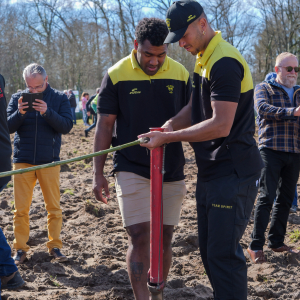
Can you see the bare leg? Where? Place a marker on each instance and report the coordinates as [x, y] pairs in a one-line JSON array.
[[138, 258], [168, 234]]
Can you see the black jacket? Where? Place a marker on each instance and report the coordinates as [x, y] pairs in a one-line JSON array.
[[5, 145], [72, 100], [38, 138]]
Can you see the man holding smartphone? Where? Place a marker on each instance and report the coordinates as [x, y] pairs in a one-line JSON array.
[[37, 141]]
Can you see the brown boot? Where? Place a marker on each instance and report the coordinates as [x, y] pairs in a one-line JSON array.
[[285, 248], [257, 256], [20, 257], [58, 255]]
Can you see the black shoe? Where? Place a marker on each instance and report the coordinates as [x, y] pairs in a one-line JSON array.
[[12, 282], [58, 255], [86, 133]]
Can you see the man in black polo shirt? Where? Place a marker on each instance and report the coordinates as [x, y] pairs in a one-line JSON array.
[[142, 90], [219, 121]]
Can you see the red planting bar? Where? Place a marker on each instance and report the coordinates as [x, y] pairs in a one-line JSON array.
[[155, 283]]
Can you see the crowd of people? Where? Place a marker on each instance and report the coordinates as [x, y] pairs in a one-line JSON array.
[[214, 112]]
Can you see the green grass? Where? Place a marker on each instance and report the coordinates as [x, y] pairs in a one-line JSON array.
[[53, 281], [69, 191], [92, 208], [79, 122], [295, 235], [10, 184]]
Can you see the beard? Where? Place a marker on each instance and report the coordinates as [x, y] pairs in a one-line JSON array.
[[289, 82]]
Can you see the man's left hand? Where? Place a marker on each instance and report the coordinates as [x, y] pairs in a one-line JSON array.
[[40, 105], [157, 139], [168, 126]]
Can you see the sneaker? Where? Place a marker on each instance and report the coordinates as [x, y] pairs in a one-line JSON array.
[[12, 282], [86, 133], [20, 257], [293, 209], [58, 255]]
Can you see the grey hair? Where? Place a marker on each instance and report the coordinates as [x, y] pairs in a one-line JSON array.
[[98, 90], [32, 70], [70, 91]]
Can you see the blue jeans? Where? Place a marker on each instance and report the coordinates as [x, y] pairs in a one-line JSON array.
[[93, 125], [295, 202], [84, 116], [7, 264], [73, 114]]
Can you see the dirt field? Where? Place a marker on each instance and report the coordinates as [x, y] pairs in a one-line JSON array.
[[95, 243]]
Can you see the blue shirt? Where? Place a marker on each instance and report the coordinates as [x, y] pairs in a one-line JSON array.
[[290, 91]]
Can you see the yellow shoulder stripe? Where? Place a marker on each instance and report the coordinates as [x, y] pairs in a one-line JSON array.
[[124, 71], [224, 49]]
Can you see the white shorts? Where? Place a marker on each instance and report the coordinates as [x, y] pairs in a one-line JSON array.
[[133, 192]]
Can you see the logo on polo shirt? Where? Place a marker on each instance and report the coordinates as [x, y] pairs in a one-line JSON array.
[[170, 88], [1, 93], [135, 91], [191, 17], [168, 21]]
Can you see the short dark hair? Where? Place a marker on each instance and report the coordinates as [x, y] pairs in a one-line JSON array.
[[152, 29]]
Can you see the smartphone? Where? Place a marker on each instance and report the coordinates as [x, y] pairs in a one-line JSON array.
[[30, 98]]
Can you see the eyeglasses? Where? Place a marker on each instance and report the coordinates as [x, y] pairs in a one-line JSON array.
[[290, 69], [37, 87]]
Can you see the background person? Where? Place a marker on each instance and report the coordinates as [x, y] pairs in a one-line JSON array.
[[73, 104], [219, 121], [9, 274], [140, 91], [277, 104], [84, 99], [37, 141], [294, 206], [92, 112]]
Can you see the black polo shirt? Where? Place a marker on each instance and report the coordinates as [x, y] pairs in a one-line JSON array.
[[141, 101], [222, 74]]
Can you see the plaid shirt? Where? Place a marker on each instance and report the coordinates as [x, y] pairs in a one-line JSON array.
[[278, 127]]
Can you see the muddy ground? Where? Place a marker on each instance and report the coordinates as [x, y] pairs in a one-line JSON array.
[[95, 243]]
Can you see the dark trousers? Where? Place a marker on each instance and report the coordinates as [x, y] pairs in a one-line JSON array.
[[7, 264], [224, 206], [73, 114], [277, 164], [93, 125]]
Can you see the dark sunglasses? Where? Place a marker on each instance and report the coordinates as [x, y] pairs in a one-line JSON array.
[[289, 68]]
